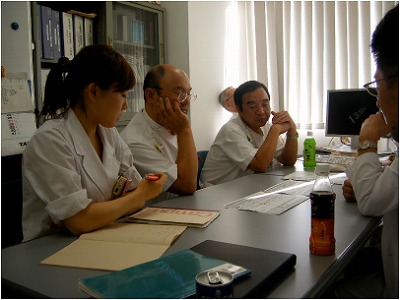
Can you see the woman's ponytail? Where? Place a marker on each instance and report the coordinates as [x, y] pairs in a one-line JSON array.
[[55, 100]]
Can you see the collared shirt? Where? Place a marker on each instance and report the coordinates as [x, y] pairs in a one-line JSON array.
[[62, 173], [377, 192], [153, 147], [232, 151]]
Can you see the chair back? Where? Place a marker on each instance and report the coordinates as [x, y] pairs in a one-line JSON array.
[[11, 200], [201, 156]]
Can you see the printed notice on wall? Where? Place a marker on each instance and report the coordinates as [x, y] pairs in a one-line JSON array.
[[15, 94], [16, 132]]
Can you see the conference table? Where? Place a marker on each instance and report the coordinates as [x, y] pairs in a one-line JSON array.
[[288, 232]]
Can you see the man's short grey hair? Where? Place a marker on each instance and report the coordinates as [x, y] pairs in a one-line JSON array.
[[223, 96]]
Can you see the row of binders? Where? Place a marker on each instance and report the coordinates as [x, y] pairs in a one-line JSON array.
[[63, 33]]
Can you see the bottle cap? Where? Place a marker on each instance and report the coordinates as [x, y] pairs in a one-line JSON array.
[[309, 133], [322, 169]]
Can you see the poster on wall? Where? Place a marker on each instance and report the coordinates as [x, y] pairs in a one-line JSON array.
[[15, 93]]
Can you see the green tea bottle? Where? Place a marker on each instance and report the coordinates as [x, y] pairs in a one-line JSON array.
[[309, 151]]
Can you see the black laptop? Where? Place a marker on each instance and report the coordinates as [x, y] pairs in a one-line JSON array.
[[268, 268]]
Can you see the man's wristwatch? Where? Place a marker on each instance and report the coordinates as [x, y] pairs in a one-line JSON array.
[[367, 145], [294, 137]]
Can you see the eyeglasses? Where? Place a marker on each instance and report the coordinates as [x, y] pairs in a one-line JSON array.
[[185, 96], [227, 99], [372, 87], [182, 96]]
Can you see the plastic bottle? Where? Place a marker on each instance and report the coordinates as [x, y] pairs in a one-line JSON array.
[[309, 151], [322, 239]]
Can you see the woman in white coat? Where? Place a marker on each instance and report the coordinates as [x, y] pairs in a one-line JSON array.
[[72, 163]]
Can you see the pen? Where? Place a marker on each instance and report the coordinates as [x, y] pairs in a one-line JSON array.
[[151, 177]]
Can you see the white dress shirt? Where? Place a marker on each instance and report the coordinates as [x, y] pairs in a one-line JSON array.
[[62, 173]]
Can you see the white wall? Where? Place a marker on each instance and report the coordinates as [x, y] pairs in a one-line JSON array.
[[177, 32], [210, 59]]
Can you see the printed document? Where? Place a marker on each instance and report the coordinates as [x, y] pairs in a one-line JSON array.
[[275, 200], [178, 216], [282, 196]]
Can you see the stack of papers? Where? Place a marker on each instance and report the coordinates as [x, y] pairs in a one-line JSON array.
[[283, 196], [177, 216]]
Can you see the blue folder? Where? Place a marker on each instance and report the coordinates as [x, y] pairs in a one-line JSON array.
[[171, 276]]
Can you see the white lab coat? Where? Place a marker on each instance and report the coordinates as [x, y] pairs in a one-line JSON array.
[[154, 149], [62, 173], [377, 191]]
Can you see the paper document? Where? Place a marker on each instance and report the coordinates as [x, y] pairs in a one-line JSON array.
[[274, 203], [291, 187], [17, 126], [282, 196], [337, 178], [15, 94], [275, 200], [16, 131], [182, 216], [117, 247], [301, 175]]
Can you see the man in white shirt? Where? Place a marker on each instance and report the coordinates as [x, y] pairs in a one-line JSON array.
[[160, 136], [247, 143], [374, 187]]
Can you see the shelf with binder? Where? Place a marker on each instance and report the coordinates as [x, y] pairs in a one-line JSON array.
[[61, 30], [135, 29], [53, 25]]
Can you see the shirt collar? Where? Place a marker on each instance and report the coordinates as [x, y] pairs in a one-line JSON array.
[[153, 124]]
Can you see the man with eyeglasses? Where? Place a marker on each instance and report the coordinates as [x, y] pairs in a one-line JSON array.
[[160, 136], [248, 143], [373, 186], [226, 99]]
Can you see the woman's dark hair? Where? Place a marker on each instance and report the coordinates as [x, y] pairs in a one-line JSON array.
[[99, 64], [247, 87]]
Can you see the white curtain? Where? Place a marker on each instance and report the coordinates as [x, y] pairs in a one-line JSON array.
[[304, 48]]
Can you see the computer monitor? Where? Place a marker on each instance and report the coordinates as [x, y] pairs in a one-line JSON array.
[[346, 110]]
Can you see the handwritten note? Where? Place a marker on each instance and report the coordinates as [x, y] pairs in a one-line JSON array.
[[15, 94]]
